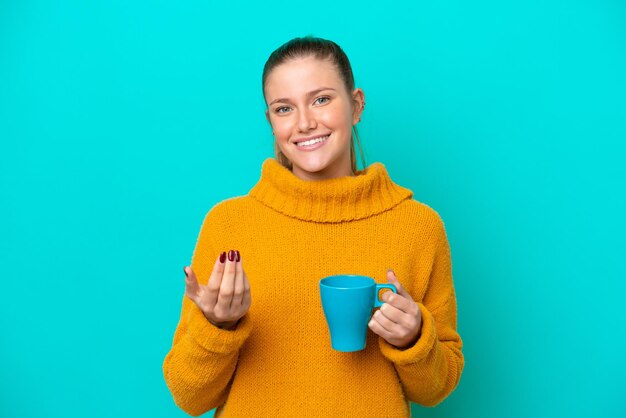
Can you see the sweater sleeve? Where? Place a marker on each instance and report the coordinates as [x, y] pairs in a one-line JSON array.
[[200, 364], [431, 369]]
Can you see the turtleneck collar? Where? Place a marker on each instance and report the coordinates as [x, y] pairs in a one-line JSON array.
[[369, 192]]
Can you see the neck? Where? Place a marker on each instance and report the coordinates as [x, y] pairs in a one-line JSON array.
[[338, 199], [319, 175]]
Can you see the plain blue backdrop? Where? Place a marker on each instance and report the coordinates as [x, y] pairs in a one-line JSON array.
[[122, 123]]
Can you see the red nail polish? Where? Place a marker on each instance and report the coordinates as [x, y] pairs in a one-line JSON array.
[[238, 255], [231, 255], [223, 257]]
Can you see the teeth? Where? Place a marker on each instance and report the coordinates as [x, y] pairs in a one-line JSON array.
[[312, 141]]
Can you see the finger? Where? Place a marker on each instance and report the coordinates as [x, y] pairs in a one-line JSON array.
[[391, 277], [227, 287], [395, 315], [239, 285], [247, 297], [378, 329], [192, 288], [385, 322], [399, 301], [215, 281]]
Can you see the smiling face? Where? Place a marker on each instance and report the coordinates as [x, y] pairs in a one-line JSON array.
[[306, 100]]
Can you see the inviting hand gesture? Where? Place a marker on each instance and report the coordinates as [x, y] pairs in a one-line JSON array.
[[226, 297], [399, 319]]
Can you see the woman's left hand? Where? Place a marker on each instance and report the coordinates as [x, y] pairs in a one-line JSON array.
[[399, 319]]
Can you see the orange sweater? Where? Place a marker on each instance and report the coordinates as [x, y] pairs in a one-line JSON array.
[[278, 360]]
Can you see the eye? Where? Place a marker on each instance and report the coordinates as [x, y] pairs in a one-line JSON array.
[[278, 109], [323, 97]]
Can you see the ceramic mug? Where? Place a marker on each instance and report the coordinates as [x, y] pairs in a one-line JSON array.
[[347, 301]]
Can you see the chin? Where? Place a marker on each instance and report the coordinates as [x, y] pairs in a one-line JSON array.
[[311, 167], [317, 165], [318, 161]]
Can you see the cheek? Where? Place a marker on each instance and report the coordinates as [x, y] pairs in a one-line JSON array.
[[282, 128], [282, 132], [337, 118]]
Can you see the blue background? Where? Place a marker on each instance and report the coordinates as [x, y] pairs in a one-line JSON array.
[[122, 123]]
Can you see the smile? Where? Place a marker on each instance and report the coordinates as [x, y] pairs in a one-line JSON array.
[[311, 143]]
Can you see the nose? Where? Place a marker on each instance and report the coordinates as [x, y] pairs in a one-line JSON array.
[[306, 120]]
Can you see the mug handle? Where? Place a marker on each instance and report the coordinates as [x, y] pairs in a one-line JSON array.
[[378, 302]]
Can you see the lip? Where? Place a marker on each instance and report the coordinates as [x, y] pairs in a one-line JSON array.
[[309, 138], [312, 147]]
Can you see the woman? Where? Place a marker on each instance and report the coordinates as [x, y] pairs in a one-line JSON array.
[[312, 214]]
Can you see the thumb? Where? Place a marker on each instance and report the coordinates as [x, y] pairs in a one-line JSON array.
[[192, 288], [391, 278]]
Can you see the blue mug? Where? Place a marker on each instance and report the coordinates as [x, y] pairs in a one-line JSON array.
[[348, 300]]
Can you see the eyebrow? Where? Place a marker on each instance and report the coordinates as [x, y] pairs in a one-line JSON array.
[[311, 93]]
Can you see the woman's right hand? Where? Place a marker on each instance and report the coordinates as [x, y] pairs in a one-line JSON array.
[[226, 297]]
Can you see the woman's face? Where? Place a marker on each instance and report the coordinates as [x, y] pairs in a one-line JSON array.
[[307, 99]]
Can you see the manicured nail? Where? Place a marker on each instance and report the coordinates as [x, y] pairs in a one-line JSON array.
[[185, 271], [231, 255], [238, 255], [223, 257]]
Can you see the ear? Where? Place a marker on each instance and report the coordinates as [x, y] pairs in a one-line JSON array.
[[358, 101]]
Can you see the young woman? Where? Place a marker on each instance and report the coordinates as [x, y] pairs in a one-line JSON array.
[[312, 214]]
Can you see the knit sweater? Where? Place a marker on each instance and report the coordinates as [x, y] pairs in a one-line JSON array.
[[278, 361]]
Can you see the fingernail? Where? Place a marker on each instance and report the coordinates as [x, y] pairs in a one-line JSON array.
[[223, 257], [231, 255], [238, 255], [390, 270], [185, 271]]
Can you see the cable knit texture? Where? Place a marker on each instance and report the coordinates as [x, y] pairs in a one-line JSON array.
[[278, 361]]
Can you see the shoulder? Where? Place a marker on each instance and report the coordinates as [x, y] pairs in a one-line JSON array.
[[414, 208], [225, 209], [422, 216], [423, 211]]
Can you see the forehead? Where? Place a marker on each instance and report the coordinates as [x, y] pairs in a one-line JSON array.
[[301, 75]]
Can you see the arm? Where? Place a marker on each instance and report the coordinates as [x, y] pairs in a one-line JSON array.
[[199, 366], [431, 368]]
